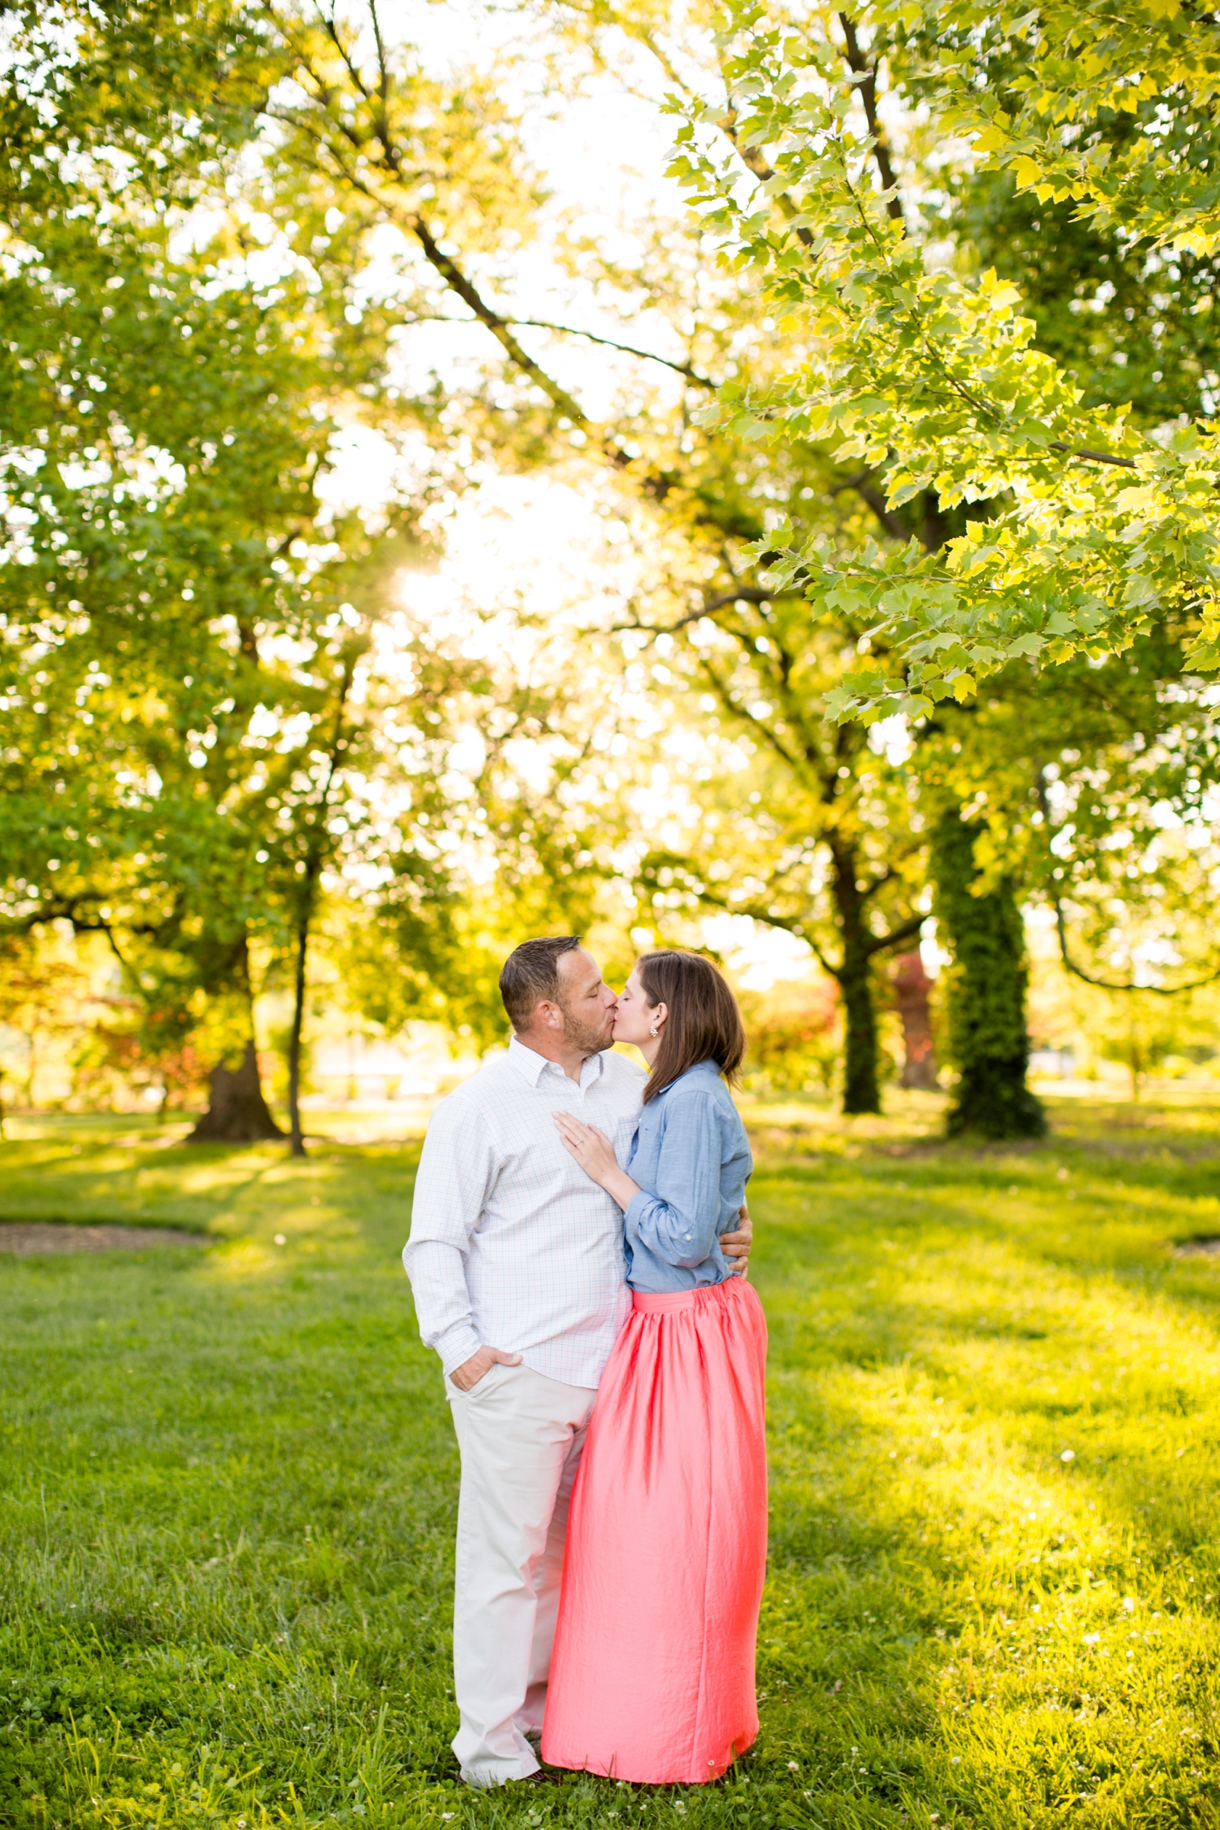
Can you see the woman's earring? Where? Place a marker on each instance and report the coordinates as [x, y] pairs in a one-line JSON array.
[[653, 1030]]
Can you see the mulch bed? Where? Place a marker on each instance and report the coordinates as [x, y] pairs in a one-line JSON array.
[[30, 1237]]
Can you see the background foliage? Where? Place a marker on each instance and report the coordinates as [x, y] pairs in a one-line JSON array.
[[903, 438]]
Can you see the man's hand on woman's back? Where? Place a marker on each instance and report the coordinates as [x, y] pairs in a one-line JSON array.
[[736, 1246]]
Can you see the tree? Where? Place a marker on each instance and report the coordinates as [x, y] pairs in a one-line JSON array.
[[876, 340], [145, 515], [985, 995], [180, 610], [356, 139], [805, 825], [925, 374], [912, 994], [1111, 111], [1084, 772], [527, 836], [39, 984], [352, 133], [792, 1030]]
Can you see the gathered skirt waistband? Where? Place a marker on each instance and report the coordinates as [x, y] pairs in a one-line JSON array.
[[650, 1302]]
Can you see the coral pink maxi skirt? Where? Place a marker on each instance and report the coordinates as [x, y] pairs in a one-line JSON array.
[[653, 1673]]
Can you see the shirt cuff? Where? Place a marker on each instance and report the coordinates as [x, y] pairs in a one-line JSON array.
[[638, 1206], [458, 1343]]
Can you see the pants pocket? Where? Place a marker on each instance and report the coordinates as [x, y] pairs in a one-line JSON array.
[[491, 1381]]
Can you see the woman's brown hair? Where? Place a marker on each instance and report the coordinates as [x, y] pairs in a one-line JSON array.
[[703, 1024]]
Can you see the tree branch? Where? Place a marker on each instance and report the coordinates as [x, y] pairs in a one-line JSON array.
[[67, 910], [1093, 457], [757, 725], [1160, 991], [499, 326], [331, 29], [904, 931], [413, 221], [383, 66], [756, 912], [867, 86], [629, 349], [569, 330], [746, 594]]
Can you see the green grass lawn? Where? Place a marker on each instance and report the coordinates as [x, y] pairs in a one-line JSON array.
[[229, 1483]]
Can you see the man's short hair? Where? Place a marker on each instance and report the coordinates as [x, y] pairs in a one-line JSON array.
[[531, 973]]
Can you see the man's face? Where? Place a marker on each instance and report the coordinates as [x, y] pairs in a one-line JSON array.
[[587, 1002]]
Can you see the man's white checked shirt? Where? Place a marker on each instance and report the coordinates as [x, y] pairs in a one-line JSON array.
[[512, 1245]]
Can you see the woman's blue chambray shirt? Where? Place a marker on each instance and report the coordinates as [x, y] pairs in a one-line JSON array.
[[691, 1158]]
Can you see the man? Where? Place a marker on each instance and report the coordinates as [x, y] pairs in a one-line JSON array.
[[516, 1262]]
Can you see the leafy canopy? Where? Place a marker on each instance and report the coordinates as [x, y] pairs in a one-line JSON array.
[[925, 373]]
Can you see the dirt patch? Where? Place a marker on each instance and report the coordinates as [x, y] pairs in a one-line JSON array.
[[29, 1237], [1207, 1245]]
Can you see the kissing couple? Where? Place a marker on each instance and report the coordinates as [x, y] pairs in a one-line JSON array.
[[578, 1236]]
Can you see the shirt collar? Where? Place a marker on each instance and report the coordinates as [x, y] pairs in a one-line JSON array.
[[707, 1069], [530, 1063]]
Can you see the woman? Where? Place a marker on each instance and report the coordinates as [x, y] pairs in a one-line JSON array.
[[653, 1673]]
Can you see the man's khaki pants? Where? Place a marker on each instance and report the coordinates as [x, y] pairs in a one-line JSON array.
[[521, 1437]]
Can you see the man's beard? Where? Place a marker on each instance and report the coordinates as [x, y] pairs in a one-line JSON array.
[[584, 1035]]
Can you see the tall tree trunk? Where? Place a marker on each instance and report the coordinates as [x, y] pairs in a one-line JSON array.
[[911, 987], [237, 1112], [315, 852], [985, 1003], [296, 1135], [861, 1090]]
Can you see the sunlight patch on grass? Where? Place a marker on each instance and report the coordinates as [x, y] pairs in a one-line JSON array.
[[239, 1258]]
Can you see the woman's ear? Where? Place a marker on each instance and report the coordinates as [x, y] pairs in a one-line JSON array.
[[657, 1018]]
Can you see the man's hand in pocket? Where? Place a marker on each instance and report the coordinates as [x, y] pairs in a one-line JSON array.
[[467, 1375]]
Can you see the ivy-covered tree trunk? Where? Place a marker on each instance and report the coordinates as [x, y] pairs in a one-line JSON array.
[[985, 1001], [861, 1090]]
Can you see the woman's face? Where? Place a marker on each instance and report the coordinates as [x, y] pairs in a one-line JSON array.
[[634, 1016]]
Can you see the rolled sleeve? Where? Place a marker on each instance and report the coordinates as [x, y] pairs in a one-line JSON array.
[[680, 1220], [456, 1171]]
